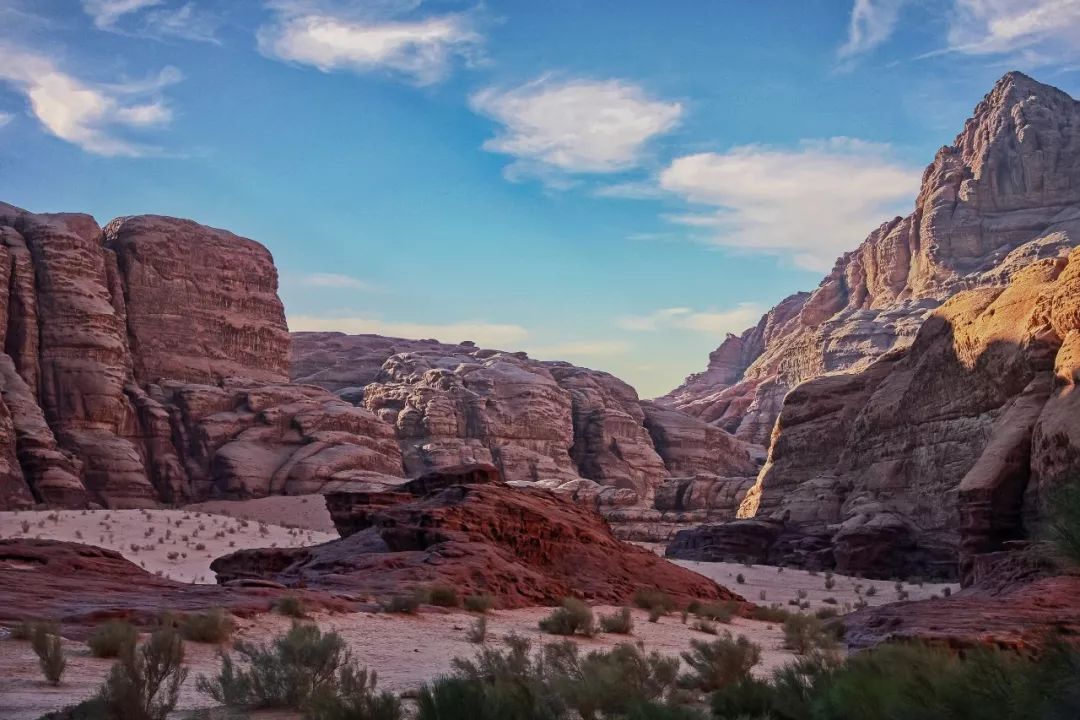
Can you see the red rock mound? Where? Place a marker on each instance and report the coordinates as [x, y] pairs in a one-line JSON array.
[[524, 547], [79, 585]]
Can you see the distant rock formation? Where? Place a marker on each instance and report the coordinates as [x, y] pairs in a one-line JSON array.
[[926, 384], [465, 528], [147, 362]]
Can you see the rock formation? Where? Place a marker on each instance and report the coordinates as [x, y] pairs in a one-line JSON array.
[[466, 529], [147, 362], [582, 433], [936, 365]]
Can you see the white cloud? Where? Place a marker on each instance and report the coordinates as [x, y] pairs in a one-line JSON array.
[[106, 13], [331, 37], [710, 322], [5, 118], [1042, 31], [479, 331], [813, 203], [575, 126], [85, 114], [336, 281], [872, 23]]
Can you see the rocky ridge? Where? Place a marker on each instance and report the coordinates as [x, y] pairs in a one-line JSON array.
[[926, 384]]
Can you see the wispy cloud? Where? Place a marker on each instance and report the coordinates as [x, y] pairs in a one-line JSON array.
[[336, 281], [154, 19], [85, 114], [574, 126], [872, 23], [106, 13], [365, 38], [711, 322], [813, 202], [483, 333], [1037, 31]]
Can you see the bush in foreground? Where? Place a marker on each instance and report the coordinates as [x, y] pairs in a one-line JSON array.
[[620, 622], [573, 617], [479, 603], [113, 639], [291, 606], [145, 683], [212, 626], [49, 648], [719, 663]]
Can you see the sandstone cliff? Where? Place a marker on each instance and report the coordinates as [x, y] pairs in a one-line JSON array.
[[148, 362], [936, 365]]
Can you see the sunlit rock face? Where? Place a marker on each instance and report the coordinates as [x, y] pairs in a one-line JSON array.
[[926, 384], [148, 362]]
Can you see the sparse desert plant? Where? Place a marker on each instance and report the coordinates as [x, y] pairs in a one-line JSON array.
[[719, 663], [443, 596], [740, 578], [355, 697], [25, 525], [403, 603], [706, 626], [773, 613], [649, 599], [621, 622], [716, 611], [113, 639], [477, 632], [210, 626], [23, 631], [572, 617], [145, 683], [826, 613], [291, 606], [829, 600], [801, 594], [1062, 525], [946, 591], [49, 648], [304, 669], [871, 591], [478, 603], [830, 581], [656, 613], [805, 634]]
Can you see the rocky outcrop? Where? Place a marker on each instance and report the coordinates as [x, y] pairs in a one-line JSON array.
[[470, 531], [938, 444], [79, 586], [990, 203], [147, 363]]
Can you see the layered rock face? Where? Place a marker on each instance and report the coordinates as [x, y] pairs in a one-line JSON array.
[[990, 203], [955, 329], [580, 432], [466, 529], [148, 363]]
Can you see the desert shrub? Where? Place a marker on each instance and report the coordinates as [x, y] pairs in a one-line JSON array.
[[212, 626], [740, 578], [572, 617], [830, 581], [23, 631], [804, 634], [112, 639], [719, 663], [477, 632], [650, 599], [443, 596], [826, 613], [304, 669], [773, 613], [49, 648], [716, 611], [607, 683], [355, 697], [145, 683], [656, 613], [620, 622], [291, 606], [1062, 524], [403, 603], [706, 626], [871, 591], [478, 603]]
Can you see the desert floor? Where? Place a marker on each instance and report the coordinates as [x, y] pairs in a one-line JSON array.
[[406, 651]]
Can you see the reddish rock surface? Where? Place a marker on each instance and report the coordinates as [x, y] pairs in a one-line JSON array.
[[79, 586], [935, 365], [524, 547], [148, 363]]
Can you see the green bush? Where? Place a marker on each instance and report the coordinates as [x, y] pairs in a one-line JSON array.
[[477, 632], [443, 596], [805, 634], [49, 648], [607, 683], [773, 613], [650, 599], [706, 626], [303, 669], [405, 603], [573, 617], [291, 606], [479, 603], [113, 639], [620, 622], [212, 626], [23, 631], [145, 683], [719, 663], [716, 611]]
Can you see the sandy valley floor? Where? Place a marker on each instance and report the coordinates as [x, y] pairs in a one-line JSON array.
[[404, 650]]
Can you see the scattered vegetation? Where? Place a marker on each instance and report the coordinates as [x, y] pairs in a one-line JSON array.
[[145, 683], [479, 603], [1062, 525], [620, 622], [716, 611], [291, 606], [212, 626], [706, 626], [112, 639], [740, 578], [648, 599], [719, 663], [805, 634], [404, 603], [442, 596], [477, 632], [49, 648], [572, 617]]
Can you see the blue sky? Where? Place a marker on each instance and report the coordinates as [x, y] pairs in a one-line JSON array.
[[613, 182]]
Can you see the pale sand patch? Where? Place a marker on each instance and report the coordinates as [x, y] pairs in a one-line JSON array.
[[148, 537], [783, 586], [405, 651]]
